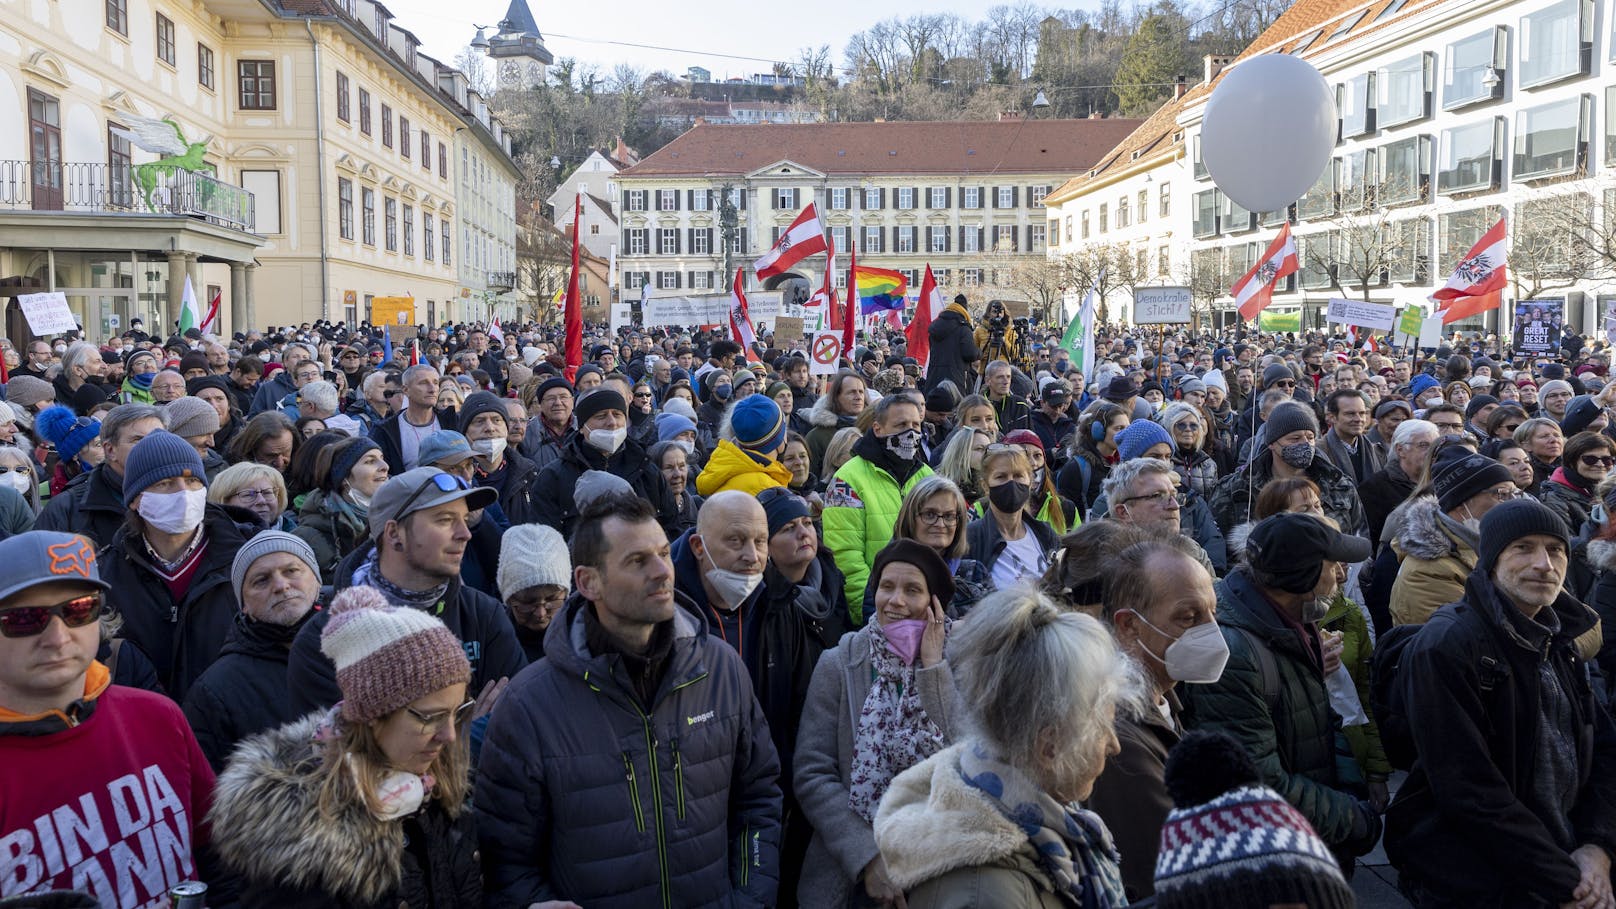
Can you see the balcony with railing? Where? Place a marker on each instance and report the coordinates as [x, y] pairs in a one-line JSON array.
[[501, 281], [57, 186]]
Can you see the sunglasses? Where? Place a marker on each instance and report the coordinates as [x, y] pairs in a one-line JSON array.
[[1186, 426], [28, 621], [1605, 461], [1285, 383], [445, 482]]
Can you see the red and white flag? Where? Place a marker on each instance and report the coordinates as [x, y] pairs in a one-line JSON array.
[[1370, 345], [918, 334], [495, 333], [1478, 281], [1255, 290], [805, 237], [210, 322], [740, 320]]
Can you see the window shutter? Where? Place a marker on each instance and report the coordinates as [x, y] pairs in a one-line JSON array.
[[948, 197], [676, 242], [962, 231], [1015, 240], [883, 197], [897, 239], [1029, 238], [625, 199], [979, 238], [690, 238], [676, 279], [709, 232], [948, 239], [659, 248], [656, 200], [1015, 197]]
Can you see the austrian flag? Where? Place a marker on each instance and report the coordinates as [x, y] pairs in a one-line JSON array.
[[740, 319], [805, 237], [1255, 290], [1478, 281]]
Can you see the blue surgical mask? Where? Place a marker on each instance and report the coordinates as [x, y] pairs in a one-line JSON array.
[[722, 392]]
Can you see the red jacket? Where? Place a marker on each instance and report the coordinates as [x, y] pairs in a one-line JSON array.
[[107, 797]]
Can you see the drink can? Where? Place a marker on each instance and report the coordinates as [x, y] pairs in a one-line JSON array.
[[189, 895]]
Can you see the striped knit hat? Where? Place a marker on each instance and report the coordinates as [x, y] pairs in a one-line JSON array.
[[387, 657], [1233, 842]]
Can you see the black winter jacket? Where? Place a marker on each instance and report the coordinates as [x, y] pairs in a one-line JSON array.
[[477, 619], [388, 437], [985, 542], [1470, 689], [515, 486], [244, 692], [90, 504], [953, 350], [1381, 494], [182, 639], [575, 775], [552, 491]]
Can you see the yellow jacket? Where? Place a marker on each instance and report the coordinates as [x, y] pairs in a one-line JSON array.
[[729, 467]]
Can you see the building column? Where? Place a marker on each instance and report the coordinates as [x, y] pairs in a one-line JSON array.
[[238, 298], [176, 291], [250, 306]]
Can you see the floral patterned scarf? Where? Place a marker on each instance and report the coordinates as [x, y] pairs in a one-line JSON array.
[[894, 733]]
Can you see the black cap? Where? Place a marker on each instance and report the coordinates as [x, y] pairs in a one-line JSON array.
[[1120, 389], [1290, 550]]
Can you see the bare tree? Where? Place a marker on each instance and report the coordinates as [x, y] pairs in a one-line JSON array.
[[1207, 273], [1112, 269], [1557, 242]]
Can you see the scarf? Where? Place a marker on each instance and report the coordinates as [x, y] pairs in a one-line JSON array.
[[369, 574], [874, 450], [138, 388], [894, 733], [1070, 845]]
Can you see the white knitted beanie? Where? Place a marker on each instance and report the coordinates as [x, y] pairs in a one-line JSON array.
[[531, 555]]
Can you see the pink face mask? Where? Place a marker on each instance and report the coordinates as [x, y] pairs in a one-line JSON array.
[[903, 638]]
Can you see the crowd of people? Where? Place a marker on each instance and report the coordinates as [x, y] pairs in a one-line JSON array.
[[318, 617]]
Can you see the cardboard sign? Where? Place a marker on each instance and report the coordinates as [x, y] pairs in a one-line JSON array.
[[1161, 305], [1018, 309], [824, 352], [1362, 313], [47, 313], [392, 310], [787, 328]]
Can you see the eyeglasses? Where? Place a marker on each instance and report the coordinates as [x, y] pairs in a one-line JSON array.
[[445, 482], [1511, 427], [1605, 461], [1186, 426], [541, 604], [933, 518], [1505, 495], [1159, 497], [28, 621], [255, 495], [432, 722]]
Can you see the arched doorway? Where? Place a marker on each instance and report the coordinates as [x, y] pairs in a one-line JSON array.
[[794, 288]]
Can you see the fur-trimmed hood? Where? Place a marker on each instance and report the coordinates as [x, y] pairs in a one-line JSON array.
[[930, 823], [1421, 534], [1602, 554], [1234, 542], [267, 825]]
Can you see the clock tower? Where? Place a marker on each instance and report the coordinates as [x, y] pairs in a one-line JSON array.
[[517, 52]]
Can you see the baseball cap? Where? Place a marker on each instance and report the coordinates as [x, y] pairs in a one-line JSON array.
[[46, 557], [444, 445], [1291, 549], [420, 489]]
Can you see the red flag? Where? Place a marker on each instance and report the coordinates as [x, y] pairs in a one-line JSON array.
[[1255, 289], [848, 330], [5, 373], [740, 320], [919, 331], [826, 295], [1482, 270], [1465, 307], [415, 351], [574, 319], [213, 312], [805, 237]]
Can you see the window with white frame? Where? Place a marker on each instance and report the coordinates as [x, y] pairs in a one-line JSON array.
[[1004, 197], [1163, 262], [1472, 157], [1067, 234], [1610, 141], [1036, 194], [971, 239], [701, 280], [838, 198], [1164, 205], [937, 197], [1551, 140], [785, 199], [937, 239], [906, 239], [1556, 42], [872, 239], [906, 198], [667, 241], [1105, 217], [636, 241], [701, 241], [1004, 237], [667, 280], [872, 197], [390, 217], [1207, 205], [667, 200], [1405, 90], [1144, 205], [838, 236], [1036, 233], [701, 199], [971, 197], [1124, 213], [1473, 68], [971, 277], [1085, 224], [636, 199], [409, 230], [1355, 100], [841, 279]]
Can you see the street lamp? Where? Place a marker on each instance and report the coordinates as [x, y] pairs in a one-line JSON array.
[[1040, 101], [480, 42]]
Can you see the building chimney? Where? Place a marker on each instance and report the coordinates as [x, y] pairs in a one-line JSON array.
[[1096, 115], [1180, 87], [1214, 64], [1009, 116]]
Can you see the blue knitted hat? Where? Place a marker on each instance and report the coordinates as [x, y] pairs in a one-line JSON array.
[[669, 425], [66, 430], [156, 458], [758, 424], [1139, 437]]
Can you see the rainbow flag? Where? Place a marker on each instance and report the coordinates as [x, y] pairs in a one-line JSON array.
[[879, 289]]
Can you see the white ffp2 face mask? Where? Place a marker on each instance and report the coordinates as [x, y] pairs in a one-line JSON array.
[[607, 440], [492, 449], [1197, 656], [174, 512]]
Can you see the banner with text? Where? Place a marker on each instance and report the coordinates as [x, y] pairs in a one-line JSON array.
[[1161, 305], [1538, 325], [47, 313], [711, 309], [1361, 313]]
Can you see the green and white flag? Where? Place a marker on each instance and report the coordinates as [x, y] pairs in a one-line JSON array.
[[190, 315], [1079, 337]]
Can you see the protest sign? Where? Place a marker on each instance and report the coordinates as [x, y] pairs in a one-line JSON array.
[[1538, 324], [47, 313], [824, 352], [787, 329], [1361, 313], [1161, 305]]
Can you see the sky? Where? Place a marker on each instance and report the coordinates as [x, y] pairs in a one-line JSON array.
[[695, 31]]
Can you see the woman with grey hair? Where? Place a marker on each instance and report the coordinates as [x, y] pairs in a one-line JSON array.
[[1186, 424], [993, 821], [17, 471]]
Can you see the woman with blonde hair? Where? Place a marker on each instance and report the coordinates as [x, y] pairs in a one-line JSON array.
[[993, 821], [258, 488], [1010, 544], [962, 461], [838, 452], [17, 471], [367, 805]]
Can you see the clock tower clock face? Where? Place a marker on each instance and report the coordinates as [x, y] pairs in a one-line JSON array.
[[535, 72], [510, 72]]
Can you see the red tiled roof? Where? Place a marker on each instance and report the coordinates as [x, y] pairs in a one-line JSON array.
[[933, 147]]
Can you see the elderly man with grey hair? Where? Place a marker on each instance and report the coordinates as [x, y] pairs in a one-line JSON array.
[[275, 389], [79, 384], [318, 399], [399, 436], [1390, 486], [1144, 492]]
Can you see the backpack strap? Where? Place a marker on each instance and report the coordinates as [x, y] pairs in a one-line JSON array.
[[1267, 667]]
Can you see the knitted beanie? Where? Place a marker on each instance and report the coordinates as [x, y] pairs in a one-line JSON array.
[[1024, 437], [1288, 418], [595, 401], [195, 386], [531, 555], [1277, 372], [262, 544], [193, 360], [781, 507], [1214, 379], [939, 580], [343, 462], [68, 432], [547, 385], [1456, 478], [593, 484], [758, 424], [681, 407], [1190, 385], [387, 657], [1477, 403], [477, 404], [1422, 383], [1138, 438], [26, 391], [1231, 841], [156, 458], [1506, 523], [669, 425], [189, 417]]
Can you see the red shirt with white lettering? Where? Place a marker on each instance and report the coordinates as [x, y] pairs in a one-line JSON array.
[[112, 806]]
